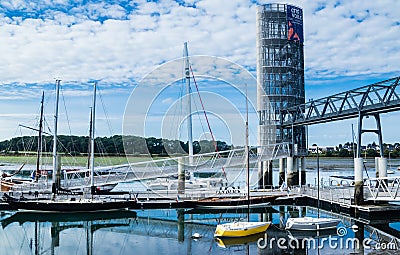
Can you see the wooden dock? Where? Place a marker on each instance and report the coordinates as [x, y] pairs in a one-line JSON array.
[[338, 200]]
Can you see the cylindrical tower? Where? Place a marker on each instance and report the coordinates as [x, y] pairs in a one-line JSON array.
[[280, 73]]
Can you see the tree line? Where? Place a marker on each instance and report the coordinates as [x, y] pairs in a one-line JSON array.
[[370, 150], [115, 145]]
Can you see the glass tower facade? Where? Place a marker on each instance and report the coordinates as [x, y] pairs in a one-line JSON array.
[[280, 73]]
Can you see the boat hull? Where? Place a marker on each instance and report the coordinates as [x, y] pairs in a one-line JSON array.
[[227, 242], [233, 207], [240, 229], [311, 224], [68, 206]]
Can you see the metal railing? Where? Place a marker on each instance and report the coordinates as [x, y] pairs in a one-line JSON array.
[[216, 161], [336, 194], [383, 189]]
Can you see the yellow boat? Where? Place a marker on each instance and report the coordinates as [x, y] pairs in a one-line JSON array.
[[240, 229], [237, 241]]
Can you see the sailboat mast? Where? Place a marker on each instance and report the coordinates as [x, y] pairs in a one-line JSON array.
[[247, 149], [318, 179], [55, 163], [189, 104], [39, 147], [92, 140]]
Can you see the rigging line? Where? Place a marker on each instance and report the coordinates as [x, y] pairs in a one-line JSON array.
[[107, 119], [177, 113], [69, 125], [208, 123], [25, 236], [178, 110], [28, 145], [182, 93], [204, 111], [198, 116]]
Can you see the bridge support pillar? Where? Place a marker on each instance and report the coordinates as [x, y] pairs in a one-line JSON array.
[[181, 177], [265, 174], [382, 163], [380, 167], [282, 166], [358, 181], [289, 171], [377, 167], [302, 180], [358, 161], [292, 171]]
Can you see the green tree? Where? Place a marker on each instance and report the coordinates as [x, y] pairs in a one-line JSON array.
[[343, 153]]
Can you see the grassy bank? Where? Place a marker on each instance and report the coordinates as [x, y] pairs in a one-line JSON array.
[[70, 160]]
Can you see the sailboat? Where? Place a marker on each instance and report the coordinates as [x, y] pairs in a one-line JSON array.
[[309, 223], [62, 201], [243, 228], [8, 180], [201, 178]]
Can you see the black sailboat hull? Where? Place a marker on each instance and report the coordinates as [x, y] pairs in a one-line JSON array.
[[68, 206], [22, 217]]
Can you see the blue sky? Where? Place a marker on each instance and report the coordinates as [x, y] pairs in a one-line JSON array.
[[348, 44]]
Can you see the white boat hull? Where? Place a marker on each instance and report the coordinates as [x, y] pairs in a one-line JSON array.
[[311, 224]]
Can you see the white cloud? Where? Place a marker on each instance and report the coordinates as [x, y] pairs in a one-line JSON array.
[[126, 45], [118, 45]]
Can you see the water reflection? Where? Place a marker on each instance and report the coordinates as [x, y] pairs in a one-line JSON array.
[[172, 231], [37, 228], [238, 241]]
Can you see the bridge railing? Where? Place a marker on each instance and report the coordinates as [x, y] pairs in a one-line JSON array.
[[383, 189], [337, 194], [215, 161]]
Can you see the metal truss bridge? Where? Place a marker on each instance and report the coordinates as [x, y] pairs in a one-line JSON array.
[[380, 97]]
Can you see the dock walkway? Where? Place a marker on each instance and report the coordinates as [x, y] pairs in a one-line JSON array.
[[335, 199]]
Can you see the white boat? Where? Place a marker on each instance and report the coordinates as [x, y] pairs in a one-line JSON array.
[[197, 180], [311, 224], [60, 200]]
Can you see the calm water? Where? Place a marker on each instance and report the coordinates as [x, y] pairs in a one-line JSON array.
[[165, 232]]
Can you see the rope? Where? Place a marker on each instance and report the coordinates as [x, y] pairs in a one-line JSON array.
[[110, 128], [208, 122]]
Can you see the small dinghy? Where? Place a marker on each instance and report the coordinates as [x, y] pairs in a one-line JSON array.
[[308, 223]]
